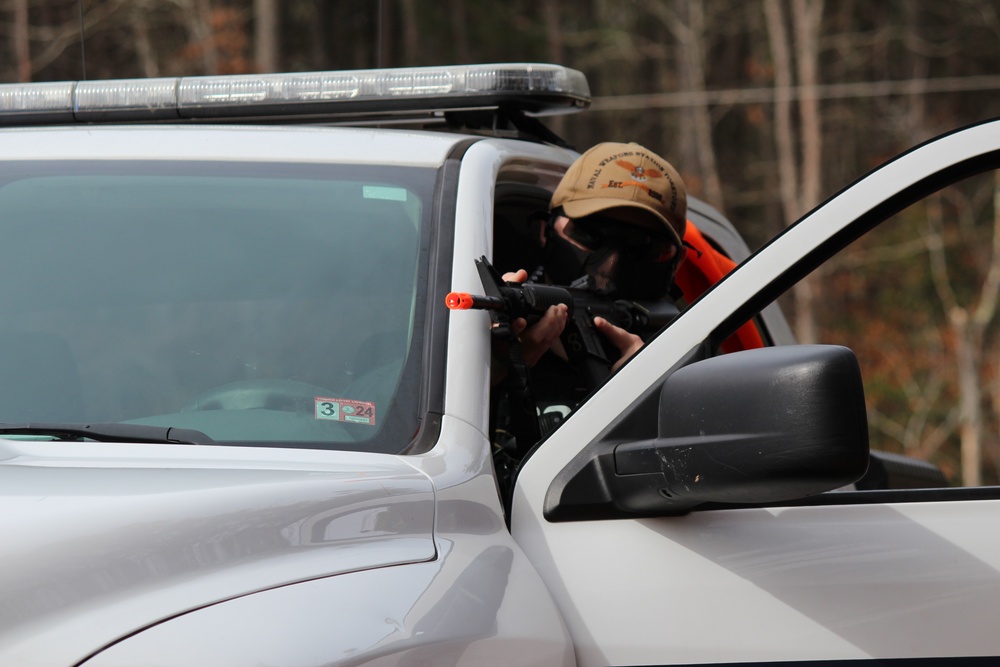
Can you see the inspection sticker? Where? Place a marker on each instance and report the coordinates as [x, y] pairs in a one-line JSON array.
[[384, 192], [345, 410]]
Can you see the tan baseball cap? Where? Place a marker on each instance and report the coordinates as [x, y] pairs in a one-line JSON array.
[[626, 182]]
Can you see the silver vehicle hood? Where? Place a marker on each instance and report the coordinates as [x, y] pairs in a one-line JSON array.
[[99, 540]]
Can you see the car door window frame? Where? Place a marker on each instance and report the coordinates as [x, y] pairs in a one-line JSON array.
[[755, 284]]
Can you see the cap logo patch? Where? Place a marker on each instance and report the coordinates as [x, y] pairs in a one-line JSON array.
[[634, 184], [638, 173]]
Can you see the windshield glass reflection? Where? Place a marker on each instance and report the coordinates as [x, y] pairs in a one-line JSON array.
[[254, 303]]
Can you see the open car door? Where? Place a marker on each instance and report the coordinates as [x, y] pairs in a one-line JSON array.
[[699, 507]]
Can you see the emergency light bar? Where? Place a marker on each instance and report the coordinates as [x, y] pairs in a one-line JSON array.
[[536, 89]]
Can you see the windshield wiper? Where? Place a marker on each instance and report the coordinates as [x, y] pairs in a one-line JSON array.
[[111, 432]]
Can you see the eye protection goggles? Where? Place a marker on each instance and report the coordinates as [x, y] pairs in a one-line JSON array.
[[597, 232]]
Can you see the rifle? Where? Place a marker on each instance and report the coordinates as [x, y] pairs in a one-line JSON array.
[[586, 347]]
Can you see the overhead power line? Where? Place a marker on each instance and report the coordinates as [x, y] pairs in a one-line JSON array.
[[736, 96]]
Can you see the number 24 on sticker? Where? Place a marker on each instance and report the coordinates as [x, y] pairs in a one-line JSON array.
[[345, 410]]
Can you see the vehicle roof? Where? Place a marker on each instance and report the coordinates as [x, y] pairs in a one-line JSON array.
[[263, 143]]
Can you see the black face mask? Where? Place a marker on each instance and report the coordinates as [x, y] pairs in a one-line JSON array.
[[564, 262], [638, 279], [624, 273]]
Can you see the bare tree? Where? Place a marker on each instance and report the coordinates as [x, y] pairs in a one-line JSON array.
[[22, 52], [806, 16], [459, 29], [198, 18], [968, 324], [384, 21], [556, 52], [58, 36], [691, 38], [140, 35], [266, 31], [411, 33], [907, 355], [686, 22], [799, 179]]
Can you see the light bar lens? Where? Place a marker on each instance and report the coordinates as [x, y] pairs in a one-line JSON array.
[[41, 99], [125, 99], [442, 84], [253, 90], [536, 88], [126, 94]]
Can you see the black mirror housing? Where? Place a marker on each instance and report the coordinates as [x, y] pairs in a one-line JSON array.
[[748, 428]]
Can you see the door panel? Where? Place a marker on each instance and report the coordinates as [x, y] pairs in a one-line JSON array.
[[797, 583], [854, 577]]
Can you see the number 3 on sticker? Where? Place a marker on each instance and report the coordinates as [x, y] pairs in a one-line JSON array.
[[345, 410]]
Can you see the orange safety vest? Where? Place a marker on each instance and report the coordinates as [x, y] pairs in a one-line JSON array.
[[703, 267]]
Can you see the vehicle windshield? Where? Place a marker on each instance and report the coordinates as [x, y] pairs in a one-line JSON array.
[[266, 304]]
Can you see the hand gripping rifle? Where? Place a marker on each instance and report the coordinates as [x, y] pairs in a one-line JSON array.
[[586, 347]]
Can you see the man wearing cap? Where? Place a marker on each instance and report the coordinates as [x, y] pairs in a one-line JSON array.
[[617, 222]]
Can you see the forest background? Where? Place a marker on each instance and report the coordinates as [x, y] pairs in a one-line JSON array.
[[767, 107]]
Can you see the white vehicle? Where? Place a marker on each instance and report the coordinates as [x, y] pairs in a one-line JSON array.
[[240, 426]]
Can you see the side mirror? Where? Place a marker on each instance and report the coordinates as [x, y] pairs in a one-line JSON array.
[[747, 428]]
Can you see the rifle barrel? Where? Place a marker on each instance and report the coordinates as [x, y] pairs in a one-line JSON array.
[[466, 301]]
